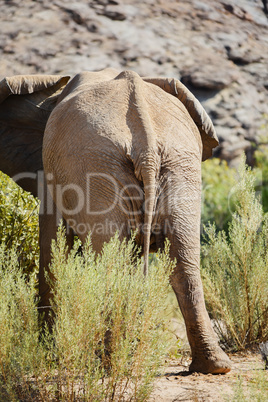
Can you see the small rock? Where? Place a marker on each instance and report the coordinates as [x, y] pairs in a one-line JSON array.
[[237, 11], [264, 353], [232, 152], [244, 54], [114, 13], [213, 73]]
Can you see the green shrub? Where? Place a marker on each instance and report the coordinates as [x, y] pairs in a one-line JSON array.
[[218, 181], [19, 222], [261, 157], [235, 270], [20, 351], [107, 342]]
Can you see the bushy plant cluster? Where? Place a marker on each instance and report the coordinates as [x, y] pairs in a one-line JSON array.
[[261, 157], [107, 341], [219, 187], [20, 355], [19, 222], [218, 182], [235, 270]]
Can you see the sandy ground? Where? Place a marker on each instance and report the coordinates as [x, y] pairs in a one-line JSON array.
[[176, 384]]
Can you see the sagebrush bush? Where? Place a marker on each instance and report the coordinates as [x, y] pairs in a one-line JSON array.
[[261, 157], [235, 270], [19, 222], [108, 324], [20, 351], [218, 181], [107, 341]]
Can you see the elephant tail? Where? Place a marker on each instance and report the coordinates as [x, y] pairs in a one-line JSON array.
[[149, 182], [144, 150]]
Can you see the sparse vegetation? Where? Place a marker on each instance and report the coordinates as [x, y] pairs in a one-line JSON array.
[[218, 181], [248, 390], [235, 270], [261, 157], [21, 354], [107, 342]]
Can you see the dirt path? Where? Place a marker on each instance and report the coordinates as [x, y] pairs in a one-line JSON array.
[[178, 385]]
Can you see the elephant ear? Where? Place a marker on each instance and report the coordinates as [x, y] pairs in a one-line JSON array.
[[26, 102], [29, 99], [195, 109]]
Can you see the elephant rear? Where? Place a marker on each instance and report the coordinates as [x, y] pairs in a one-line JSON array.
[[110, 147], [122, 152]]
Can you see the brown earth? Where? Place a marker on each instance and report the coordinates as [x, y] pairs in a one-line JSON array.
[[176, 384]]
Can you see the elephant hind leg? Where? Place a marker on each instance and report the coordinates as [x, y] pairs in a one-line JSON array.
[[181, 225], [207, 356]]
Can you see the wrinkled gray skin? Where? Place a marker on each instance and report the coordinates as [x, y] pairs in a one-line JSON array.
[[119, 153]]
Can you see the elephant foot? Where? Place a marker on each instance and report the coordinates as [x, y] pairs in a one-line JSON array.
[[215, 363]]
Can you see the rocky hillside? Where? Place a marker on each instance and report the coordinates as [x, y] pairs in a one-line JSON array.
[[219, 49]]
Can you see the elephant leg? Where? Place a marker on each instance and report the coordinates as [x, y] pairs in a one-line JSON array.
[[49, 221], [207, 356], [182, 228]]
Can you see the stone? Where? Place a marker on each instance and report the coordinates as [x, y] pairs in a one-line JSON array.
[[214, 74]]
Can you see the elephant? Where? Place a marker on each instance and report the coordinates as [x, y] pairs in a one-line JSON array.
[[121, 153]]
